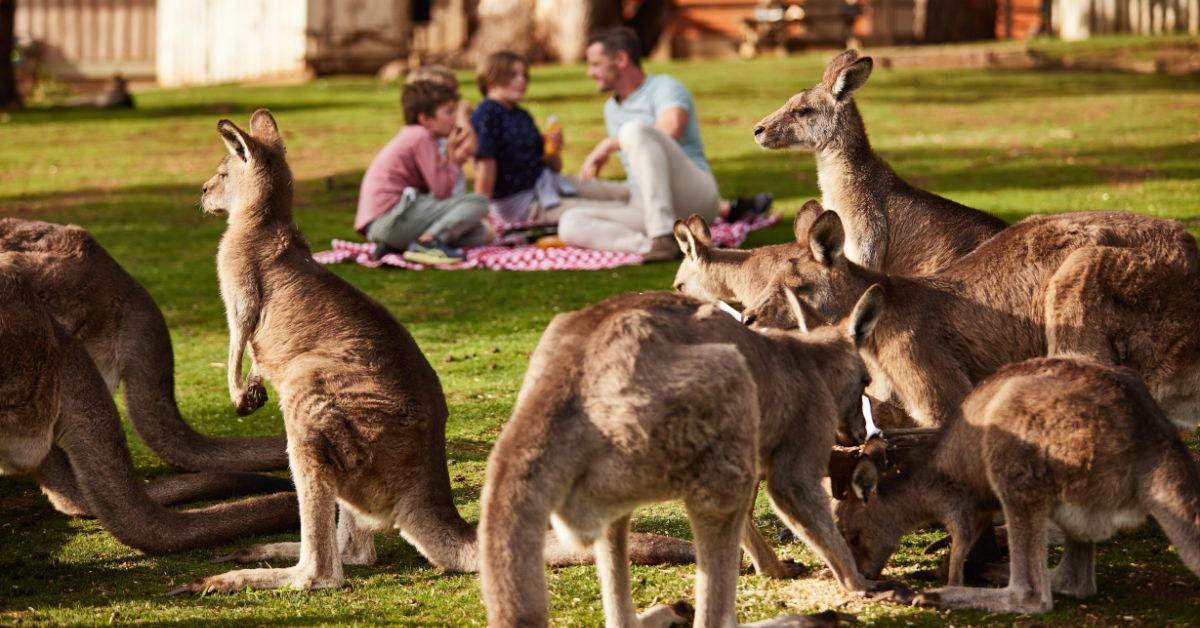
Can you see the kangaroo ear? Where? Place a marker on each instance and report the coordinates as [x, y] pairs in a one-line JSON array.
[[687, 241], [699, 228], [851, 78], [805, 217], [827, 238], [235, 140], [842, 461], [797, 310], [864, 481], [866, 314], [264, 129], [837, 64]]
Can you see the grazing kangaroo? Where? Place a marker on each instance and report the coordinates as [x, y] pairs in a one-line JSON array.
[[1069, 441], [363, 409], [943, 333], [54, 404], [892, 226], [654, 396], [118, 323]]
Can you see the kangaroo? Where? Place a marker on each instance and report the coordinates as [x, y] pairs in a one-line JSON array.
[[944, 333], [1070, 441], [892, 225], [654, 396], [121, 327], [736, 276], [54, 403], [363, 410]]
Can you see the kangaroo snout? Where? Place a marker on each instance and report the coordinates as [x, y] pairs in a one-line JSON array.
[[758, 130]]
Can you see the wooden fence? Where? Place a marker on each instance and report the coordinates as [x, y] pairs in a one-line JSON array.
[[89, 38]]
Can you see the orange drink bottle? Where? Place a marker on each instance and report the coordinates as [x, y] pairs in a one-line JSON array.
[[549, 147]]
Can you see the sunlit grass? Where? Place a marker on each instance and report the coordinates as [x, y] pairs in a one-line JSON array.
[[1013, 143]]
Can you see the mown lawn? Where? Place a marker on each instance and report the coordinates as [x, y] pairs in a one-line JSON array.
[[1012, 143]]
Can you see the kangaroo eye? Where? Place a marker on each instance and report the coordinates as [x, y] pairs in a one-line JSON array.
[[803, 111]]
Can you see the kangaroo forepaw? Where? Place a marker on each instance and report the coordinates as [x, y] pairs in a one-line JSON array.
[[793, 569], [253, 398]]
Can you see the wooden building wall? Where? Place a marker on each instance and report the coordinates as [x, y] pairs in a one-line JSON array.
[[217, 41], [1080, 19], [90, 38]]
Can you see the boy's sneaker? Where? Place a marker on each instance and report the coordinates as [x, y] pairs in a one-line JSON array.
[[749, 208], [433, 253]]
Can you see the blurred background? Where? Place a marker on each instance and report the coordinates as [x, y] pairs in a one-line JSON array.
[[58, 48]]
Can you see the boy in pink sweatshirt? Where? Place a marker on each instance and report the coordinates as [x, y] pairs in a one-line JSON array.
[[406, 201]]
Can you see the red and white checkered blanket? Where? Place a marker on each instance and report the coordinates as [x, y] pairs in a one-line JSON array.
[[530, 257]]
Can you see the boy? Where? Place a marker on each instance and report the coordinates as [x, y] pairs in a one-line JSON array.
[[406, 201]]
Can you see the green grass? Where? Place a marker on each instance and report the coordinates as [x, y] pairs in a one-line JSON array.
[[1013, 143]]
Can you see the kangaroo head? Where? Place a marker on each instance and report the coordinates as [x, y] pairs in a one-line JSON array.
[[817, 115], [692, 279], [866, 520], [254, 174], [844, 371], [822, 278]]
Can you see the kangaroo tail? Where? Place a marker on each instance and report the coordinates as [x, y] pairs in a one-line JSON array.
[[150, 403]]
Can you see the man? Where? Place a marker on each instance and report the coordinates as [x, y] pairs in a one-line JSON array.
[[652, 125]]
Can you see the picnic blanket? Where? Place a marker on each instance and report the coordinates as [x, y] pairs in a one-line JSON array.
[[530, 257]]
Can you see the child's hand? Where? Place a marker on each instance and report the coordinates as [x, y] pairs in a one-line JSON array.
[[461, 145], [462, 117]]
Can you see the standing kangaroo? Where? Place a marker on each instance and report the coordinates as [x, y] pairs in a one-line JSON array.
[[363, 409], [54, 403], [1069, 441], [117, 321], [944, 333], [892, 225], [654, 396]]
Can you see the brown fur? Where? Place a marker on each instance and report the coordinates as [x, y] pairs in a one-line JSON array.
[[1069, 441], [363, 409], [892, 225], [54, 406], [943, 333], [654, 396], [124, 332]]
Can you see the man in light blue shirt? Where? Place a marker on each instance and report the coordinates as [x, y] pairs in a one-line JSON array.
[[652, 124]]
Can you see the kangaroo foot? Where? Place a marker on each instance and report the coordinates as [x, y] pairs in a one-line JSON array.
[[266, 551], [993, 600], [258, 579], [827, 619], [890, 591]]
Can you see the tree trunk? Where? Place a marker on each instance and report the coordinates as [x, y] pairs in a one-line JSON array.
[[503, 25], [650, 21], [10, 98], [960, 20]]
